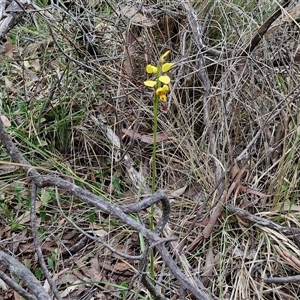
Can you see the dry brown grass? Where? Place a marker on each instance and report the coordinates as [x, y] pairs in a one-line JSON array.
[[237, 144]]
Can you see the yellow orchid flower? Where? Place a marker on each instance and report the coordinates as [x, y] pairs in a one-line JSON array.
[[151, 69], [162, 93], [162, 81]]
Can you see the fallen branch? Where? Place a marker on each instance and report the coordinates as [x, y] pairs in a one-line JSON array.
[[20, 271], [10, 16], [294, 233], [281, 280], [10, 282]]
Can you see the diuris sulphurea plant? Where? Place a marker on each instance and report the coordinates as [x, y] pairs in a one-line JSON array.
[[160, 87]]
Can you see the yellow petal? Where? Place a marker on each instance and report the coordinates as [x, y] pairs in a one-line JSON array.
[[166, 67], [151, 69], [159, 91], [162, 58], [150, 83], [165, 54], [165, 79], [165, 87]]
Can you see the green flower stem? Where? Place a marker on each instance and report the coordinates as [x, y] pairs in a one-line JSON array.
[[154, 147], [153, 186], [155, 115]]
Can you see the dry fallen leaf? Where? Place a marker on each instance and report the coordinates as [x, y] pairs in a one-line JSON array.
[[25, 217], [10, 86], [17, 296], [70, 288], [93, 270], [178, 192], [8, 45], [148, 139], [5, 121], [288, 258], [131, 133], [208, 268], [3, 285]]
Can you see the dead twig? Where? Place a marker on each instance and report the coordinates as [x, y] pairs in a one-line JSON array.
[[281, 280]]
